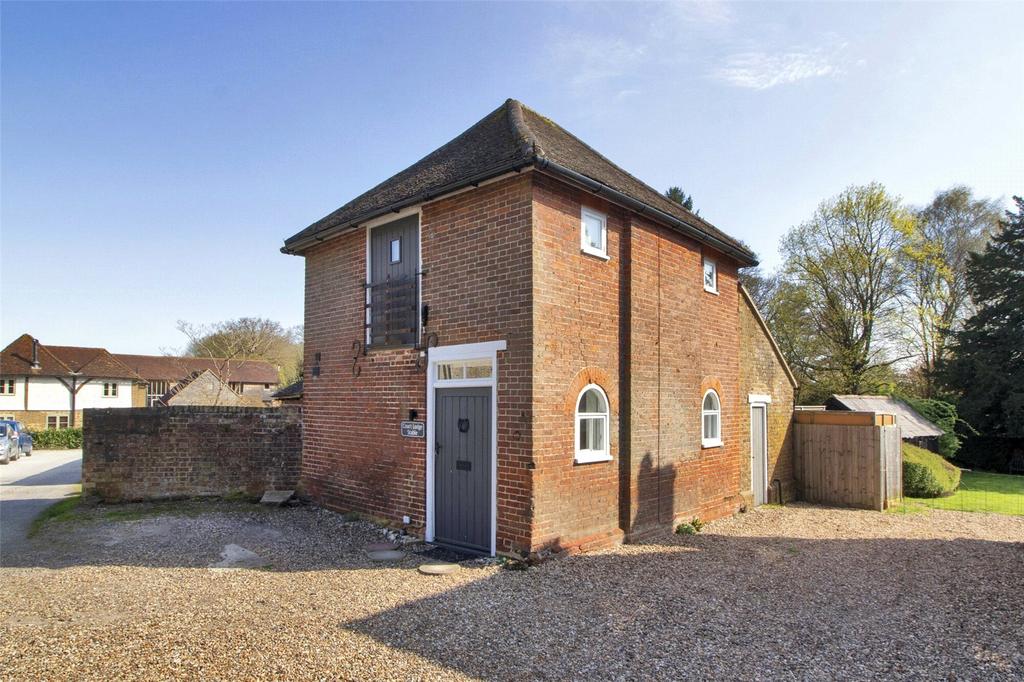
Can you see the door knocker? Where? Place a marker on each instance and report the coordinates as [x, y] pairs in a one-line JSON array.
[[463, 426]]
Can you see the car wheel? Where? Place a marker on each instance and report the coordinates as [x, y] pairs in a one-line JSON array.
[[6, 459]]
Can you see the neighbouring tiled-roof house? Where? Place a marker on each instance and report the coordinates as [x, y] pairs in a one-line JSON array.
[[515, 345], [47, 386]]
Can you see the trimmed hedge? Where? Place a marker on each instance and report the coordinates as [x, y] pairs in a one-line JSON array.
[[57, 439], [926, 474]]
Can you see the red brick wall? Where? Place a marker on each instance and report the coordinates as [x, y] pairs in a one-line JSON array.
[[476, 249], [577, 340], [641, 326]]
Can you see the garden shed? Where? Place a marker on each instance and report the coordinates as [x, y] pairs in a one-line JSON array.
[[914, 428]]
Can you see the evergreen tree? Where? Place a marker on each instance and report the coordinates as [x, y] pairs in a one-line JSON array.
[[677, 195], [986, 367]]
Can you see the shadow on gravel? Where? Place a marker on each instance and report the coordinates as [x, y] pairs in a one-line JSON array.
[[195, 534], [732, 607]]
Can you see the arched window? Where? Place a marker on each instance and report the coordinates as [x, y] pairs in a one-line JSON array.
[[711, 420], [592, 426]]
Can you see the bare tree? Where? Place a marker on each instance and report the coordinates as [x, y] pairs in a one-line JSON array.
[[227, 345]]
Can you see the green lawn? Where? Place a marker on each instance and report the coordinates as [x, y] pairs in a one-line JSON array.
[[981, 492]]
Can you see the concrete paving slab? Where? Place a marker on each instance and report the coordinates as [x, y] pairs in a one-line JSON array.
[[276, 497], [236, 556], [386, 555]]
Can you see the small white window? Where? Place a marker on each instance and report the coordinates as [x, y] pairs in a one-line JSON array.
[[594, 233], [710, 276], [6, 386], [711, 421], [464, 369], [592, 426], [396, 250], [109, 390]]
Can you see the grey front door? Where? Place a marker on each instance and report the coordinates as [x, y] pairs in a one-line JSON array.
[[759, 453], [462, 468]]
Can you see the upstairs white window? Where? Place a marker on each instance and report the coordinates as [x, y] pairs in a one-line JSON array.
[[711, 421], [6, 386], [592, 426], [594, 233], [109, 390], [710, 276]]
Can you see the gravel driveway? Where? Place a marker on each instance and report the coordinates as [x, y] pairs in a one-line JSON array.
[[792, 593]]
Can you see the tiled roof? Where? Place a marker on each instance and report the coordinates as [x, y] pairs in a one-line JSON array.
[[16, 359], [509, 138], [170, 368]]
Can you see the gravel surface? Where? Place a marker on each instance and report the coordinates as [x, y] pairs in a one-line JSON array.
[[779, 593]]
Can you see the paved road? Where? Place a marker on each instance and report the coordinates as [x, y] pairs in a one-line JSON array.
[[29, 486]]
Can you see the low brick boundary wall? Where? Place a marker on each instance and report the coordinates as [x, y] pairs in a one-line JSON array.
[[165, 452]]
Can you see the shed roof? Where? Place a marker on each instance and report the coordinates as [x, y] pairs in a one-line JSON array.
[[289, 392], [511, 137], [910, 421]]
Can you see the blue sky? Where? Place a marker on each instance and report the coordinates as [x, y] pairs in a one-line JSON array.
[[154, 156]]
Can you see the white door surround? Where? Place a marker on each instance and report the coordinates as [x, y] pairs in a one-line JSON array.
[[487, 350]]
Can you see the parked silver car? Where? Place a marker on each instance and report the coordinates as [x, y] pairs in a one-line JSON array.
[[15, 441]]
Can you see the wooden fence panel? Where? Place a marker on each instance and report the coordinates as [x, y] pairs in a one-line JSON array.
[[850, 465]]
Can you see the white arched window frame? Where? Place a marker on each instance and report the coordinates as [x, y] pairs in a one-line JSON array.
[[592, 430], [710, 420]]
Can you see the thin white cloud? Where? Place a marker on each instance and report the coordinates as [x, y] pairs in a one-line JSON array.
[[589, 61], [764, 70], [706, 12]]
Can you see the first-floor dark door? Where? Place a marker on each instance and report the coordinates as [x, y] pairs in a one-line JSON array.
[[462, 468]]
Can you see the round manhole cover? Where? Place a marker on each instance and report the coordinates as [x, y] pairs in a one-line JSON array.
[[438, 568]]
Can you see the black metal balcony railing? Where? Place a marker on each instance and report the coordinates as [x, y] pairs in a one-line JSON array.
[[393, 311]]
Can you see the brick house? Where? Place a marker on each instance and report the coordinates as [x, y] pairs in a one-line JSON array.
[[514, 345]]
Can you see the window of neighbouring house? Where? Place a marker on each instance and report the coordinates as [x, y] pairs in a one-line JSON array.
[[710, 276], [594, 233], [155, 391], [711, 420], [7, 386], [56, 421], [592, 426], [109, 390], [393, 283]]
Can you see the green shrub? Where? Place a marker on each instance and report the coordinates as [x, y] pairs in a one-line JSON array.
[[926, 474], [57, 439], [690, 527]]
